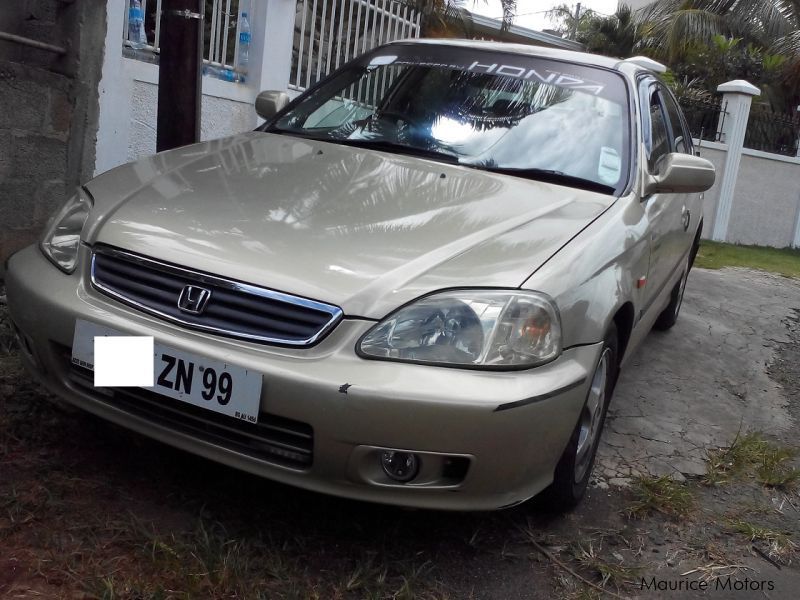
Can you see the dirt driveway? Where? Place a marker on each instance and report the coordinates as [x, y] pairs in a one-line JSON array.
[[696, 386], [88, 510]]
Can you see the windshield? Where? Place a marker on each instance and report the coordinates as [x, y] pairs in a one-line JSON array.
[[510, 113]]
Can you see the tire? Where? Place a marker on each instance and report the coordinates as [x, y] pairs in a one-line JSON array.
[[571, 476], [669, 316]]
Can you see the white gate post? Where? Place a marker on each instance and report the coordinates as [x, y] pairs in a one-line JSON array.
[[797, 141], [737, 99], [271, 54], [796, 240], [114, 94]]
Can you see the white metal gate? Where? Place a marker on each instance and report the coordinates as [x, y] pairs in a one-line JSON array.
[[328, 33], [220, 34]]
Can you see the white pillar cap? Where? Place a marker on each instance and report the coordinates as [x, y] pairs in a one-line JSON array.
[[739, 86]]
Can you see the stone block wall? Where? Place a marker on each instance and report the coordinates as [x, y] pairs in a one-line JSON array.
[[34, 140], [48, 111]]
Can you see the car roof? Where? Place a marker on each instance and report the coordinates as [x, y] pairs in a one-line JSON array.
[[585, 58]]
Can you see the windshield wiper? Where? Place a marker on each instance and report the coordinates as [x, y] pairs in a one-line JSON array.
[[548, 175], [397, 148], [552, 176], [376, 144]]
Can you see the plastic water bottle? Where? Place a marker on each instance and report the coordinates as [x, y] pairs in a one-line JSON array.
[[211, 71], [228, 75], [136, 34], [244, 44]]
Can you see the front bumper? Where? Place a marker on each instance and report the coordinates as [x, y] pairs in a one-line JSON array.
[[507, 429]]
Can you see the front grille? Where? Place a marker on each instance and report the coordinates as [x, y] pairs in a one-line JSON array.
[[233, 308], [273, 439]]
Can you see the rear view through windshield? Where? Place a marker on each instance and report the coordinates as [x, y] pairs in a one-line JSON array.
[[520, 115]]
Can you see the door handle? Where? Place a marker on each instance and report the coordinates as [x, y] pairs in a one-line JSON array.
[[686, 218]]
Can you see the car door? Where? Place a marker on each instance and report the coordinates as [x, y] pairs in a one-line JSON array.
[[663, 211], [690, 204]]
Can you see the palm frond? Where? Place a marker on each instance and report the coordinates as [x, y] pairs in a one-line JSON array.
[[761, 19], [788, 45], [672, 34]]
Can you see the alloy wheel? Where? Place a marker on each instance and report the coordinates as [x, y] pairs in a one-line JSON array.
[[592, 415]]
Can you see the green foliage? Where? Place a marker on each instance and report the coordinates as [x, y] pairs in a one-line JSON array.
[[772, 62], [714, 41], [613, 35], [567, 22], [706, 42], [724, 44], [685, 87], [725, 59]]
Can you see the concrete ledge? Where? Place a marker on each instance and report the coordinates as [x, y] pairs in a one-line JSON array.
[[793, 160], [148, 73], [699, 145]]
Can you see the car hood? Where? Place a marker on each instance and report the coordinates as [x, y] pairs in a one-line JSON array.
[[362, 229]]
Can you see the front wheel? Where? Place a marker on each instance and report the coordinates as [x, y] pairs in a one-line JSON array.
[[574, 468]]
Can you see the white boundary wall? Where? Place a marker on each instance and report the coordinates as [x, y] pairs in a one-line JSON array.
[[756, 197], [765, 208]]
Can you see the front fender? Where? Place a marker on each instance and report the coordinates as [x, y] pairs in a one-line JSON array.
[[596, 273]]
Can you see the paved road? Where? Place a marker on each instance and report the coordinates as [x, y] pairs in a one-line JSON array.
[[695, 386]]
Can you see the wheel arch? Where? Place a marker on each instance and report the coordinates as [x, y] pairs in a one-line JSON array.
[[623, 319], [696, 243]]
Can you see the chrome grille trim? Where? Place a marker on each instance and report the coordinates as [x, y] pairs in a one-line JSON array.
[[244, 289]]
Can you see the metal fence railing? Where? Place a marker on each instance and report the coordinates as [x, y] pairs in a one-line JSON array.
[[220, 31], [705, 116], [328, 33], [772, 132]]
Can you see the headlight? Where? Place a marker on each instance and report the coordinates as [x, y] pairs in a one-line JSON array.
[[491, 329], [62, 235]]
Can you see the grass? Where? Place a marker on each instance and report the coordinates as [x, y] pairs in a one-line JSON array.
[[775, 469], [716, 255], [134, 558], [660, 494], [615, 573], [779, 543], [752, 454]]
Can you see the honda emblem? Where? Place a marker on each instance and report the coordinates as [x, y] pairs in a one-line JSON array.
[[193, 299]]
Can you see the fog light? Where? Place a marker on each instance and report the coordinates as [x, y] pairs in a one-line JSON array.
[[400, 466]]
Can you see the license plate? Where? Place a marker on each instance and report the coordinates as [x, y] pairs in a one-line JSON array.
[[210, 384]]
